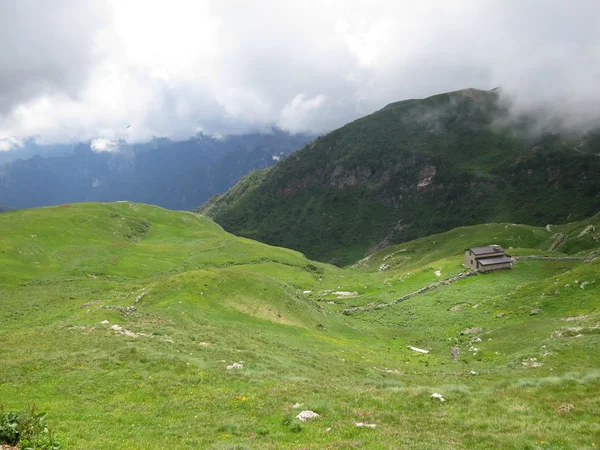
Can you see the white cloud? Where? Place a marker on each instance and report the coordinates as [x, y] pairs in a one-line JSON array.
[[9, 142], [302, 113], [103, 145], [133, 69]]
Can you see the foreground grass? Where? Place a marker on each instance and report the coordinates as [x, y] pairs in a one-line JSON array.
[[206, 299]]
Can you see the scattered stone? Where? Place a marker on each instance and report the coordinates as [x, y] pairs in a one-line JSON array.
[[139, 297], [297, 405], [458, 306], [331, 303], [235, 366], [473, 372], [376, 306], [122, 331], [472, 331], [383, 267], [566, 332], [104, 322], [574, 318], [306, 292], [520, 408], [204, 344], [438, 273], [498, 316], [455, 353], [345, 294], [305, 416], [565, 408], [534, 311], [415, 349], [549, 228], [476, 339], [586, 230], [365, 425], [123, 309], [85, 305], [438, 396], [386, 370], [531, 362]]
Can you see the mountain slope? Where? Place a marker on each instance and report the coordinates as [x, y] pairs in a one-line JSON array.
[[120, 321], [412, 169], [176, 175]]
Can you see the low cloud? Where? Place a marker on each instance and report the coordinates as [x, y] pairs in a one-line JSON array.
[[130, 70], [103, 145], [303, 113]]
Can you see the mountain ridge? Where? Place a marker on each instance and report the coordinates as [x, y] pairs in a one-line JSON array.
[[172, 174], [411, 169]]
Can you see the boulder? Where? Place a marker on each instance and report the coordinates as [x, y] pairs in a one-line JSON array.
[[305, 416]]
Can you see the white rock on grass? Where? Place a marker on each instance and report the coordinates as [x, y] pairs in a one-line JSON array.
[[365, 425], [104, 322], [297, 405], [305, 416], [416, 349], [122, 331], [342, 294], [439, 396], [235, 366]]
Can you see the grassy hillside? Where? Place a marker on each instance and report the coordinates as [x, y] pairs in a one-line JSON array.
[[183, 300], [412, 169]]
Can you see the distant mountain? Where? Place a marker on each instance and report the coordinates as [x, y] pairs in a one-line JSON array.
[[175, 175], [30, 148], [415, 168]]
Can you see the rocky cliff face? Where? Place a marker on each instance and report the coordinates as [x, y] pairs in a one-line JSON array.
[[415, 168]]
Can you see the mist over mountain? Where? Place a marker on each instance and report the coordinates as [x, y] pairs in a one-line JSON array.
[[175, 175], [414, 168]]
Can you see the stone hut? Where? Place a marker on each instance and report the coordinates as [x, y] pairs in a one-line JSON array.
[[488, 258]]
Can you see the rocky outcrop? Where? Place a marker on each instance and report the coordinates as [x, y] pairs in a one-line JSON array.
[[426, 176]]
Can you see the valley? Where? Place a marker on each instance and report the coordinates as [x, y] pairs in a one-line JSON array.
[[134, 327]]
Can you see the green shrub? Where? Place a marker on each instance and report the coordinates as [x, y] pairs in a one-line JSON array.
[[27, 429]]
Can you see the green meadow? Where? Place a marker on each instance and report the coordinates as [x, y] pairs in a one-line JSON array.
[[119, 320]]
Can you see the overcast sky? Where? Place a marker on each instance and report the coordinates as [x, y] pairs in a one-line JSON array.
[[74, 70]]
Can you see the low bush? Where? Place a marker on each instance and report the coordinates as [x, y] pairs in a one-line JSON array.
[[27, 429]]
